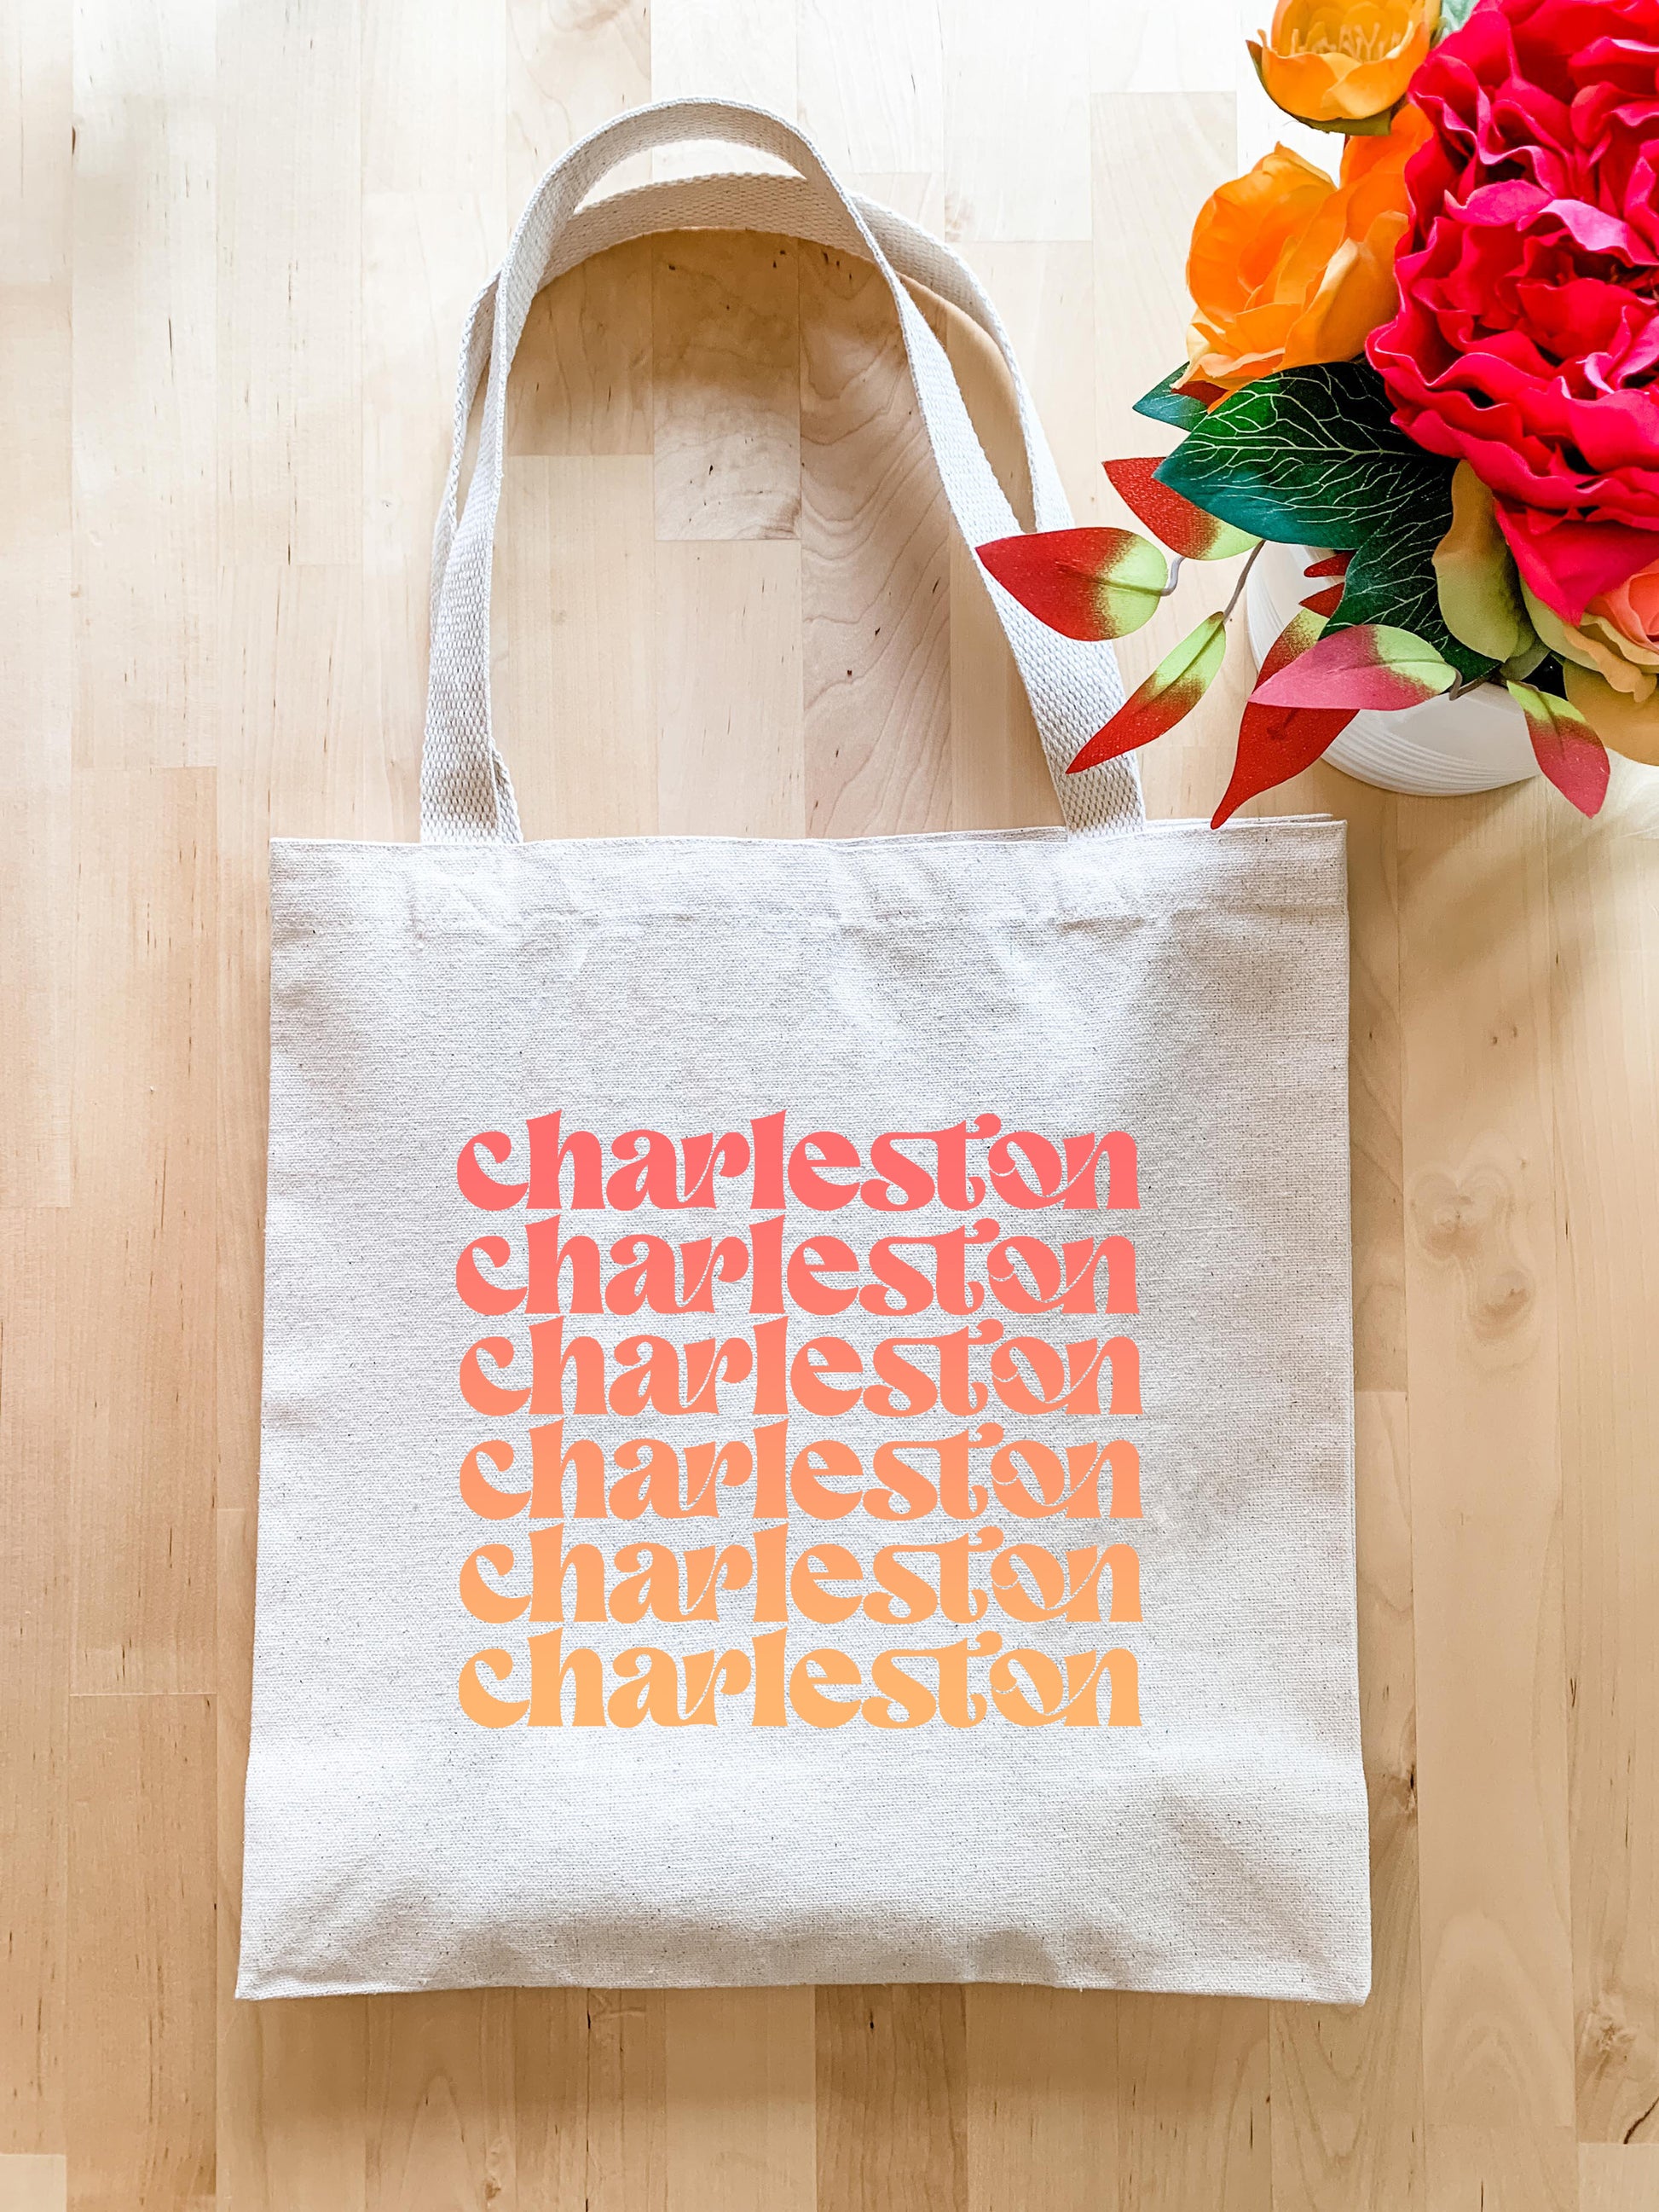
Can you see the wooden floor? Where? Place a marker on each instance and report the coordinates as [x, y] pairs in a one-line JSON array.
[[236, 252]]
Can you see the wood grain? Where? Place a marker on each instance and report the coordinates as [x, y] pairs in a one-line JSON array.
[[1347, 2082], [1194, 2103], [726, 397], [1604, 1014], [140, 2102], [892, 2099], [37, 1561], [236, 245], [140, 1236], [1482, 1352], [875, 538], [1042, 2112], [738, 2091]]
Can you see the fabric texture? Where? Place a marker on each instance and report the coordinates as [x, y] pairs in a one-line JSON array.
[[808, 1420]]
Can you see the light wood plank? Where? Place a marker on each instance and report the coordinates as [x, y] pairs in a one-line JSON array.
[[1482, 1333], [576, 683], [36, 929], [1156, 157], [892, 2099], [1604, 899], [1042, 2104], [1002, 97], [626, 2101], [1193, 2111], [875, 538], [34, 1673], [1045, 297], [738, 2090], [1374, 1070], [582, 381], [1347, 2081], [139, 2052], [37, 671], [569, 68], [34, 2181], [550, 2102], [726, 397], [37, 60], [435, 99], [1143, 47], [871, 97], [292, 2082], [36, 260], [1502, 2169], [744, 51], [137, 1314], [730, 760], [1614, 2178], [440, 2101], [290, 284], [424, 256], [144, 288]]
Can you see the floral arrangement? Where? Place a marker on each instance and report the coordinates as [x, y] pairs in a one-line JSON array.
[[1443, 366]]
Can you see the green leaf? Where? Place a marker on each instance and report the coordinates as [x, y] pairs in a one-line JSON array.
[[1312, 457], [1454, 14], [1475, 579], [1521, 665], [1165, 404]]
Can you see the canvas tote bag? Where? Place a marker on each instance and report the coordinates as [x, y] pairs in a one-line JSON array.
[[807, 1421]]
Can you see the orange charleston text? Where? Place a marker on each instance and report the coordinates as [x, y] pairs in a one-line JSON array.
[[823, 1688], [766, 1362]]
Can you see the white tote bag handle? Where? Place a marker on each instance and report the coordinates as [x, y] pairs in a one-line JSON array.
[[466, 795]]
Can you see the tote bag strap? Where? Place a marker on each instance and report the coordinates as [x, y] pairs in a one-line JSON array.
[[466, 795]]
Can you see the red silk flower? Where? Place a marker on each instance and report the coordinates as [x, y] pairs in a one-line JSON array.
[[1527, 339]]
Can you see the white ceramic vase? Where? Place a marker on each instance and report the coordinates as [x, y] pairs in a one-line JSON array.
[[1476, 742]]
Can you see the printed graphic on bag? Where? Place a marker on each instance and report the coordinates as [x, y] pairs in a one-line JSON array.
[[982, 1409]]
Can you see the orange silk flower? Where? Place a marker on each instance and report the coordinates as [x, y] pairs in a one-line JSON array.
[[1342, 61], [1288, 268]]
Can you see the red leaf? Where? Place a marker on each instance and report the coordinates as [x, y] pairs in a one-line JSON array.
[[1276, 743], [1334, 564], [1170, 692], [1088, 583], [1326, 602], [1207, 394], [1184, 528], [1297, 634], [1566, 747], [1577, 767], [1373, 665]]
